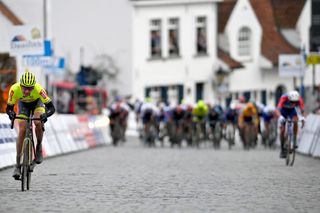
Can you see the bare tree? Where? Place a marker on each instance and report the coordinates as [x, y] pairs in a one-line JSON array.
[[106, 66]]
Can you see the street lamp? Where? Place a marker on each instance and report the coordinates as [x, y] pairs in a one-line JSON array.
[[220, 75]]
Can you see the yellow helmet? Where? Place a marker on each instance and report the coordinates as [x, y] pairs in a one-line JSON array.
[[149, 99], [27, 79], [201, 103]]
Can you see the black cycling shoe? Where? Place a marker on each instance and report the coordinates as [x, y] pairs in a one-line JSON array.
[[39, 157]]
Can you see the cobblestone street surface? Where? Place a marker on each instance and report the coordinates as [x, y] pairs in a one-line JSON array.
[[133, 178]]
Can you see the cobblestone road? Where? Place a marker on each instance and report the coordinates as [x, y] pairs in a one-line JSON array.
[[132, 178]]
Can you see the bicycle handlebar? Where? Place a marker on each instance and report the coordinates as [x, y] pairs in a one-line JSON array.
[[24, 118]]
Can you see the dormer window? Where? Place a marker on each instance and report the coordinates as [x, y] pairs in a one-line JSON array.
[[244, 42]]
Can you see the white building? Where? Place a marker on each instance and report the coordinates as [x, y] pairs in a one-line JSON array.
[[255, 33], [174, 49]]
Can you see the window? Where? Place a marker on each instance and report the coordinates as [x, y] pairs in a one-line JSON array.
[[201, 35], [315, 19], [155, 38], [244, 41], [173, 36]]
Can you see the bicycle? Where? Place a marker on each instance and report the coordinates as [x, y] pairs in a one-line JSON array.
[[249, 134], [269, 135], [289, 144], [199, 133], [230, 134], [116, 132], [28, 152], [216, 133]]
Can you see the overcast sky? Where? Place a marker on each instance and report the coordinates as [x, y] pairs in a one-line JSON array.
[[99, 26]]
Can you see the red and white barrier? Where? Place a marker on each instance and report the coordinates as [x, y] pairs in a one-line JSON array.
[[63, 134], [8, 139]]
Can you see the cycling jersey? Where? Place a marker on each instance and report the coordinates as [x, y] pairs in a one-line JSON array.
[[199, 113], [16, 94], [285, 103], [249, 115]]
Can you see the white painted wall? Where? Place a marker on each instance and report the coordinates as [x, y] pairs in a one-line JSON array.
[[5, 26], [186, 70], [244, 16]]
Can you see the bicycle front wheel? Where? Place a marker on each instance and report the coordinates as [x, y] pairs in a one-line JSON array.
[[27, 156], [24, 177], [293, 150], [288, 150], [28, 177]]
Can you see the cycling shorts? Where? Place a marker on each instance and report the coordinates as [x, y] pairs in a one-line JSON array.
[[147, 116], [248, 119], [267, 118], [26, 108], [288, 112]]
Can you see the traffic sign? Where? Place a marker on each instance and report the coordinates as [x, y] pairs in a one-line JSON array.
[[37, 61], [313, 59]]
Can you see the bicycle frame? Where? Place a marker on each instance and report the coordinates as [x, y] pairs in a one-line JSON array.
[[27, 152]]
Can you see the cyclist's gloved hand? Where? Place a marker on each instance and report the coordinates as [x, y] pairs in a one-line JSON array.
[[11, 115], [44, 117]]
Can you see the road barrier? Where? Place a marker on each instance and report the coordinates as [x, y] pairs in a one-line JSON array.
[[63, 134], [309, 140]]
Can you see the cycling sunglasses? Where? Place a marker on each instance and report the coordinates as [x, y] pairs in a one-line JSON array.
[[27, 88]]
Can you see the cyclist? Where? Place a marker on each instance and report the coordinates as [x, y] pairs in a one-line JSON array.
[[288, 103], [269, 115], [177, 116], [231, 116], [148, 115], [119, 111], [163, 118], [200, 112], [187, 126], [249, 115], [30, 96], [215, 116]]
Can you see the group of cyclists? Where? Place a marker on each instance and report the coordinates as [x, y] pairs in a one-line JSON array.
[[204, 121], [193, 123], [200, 122]]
